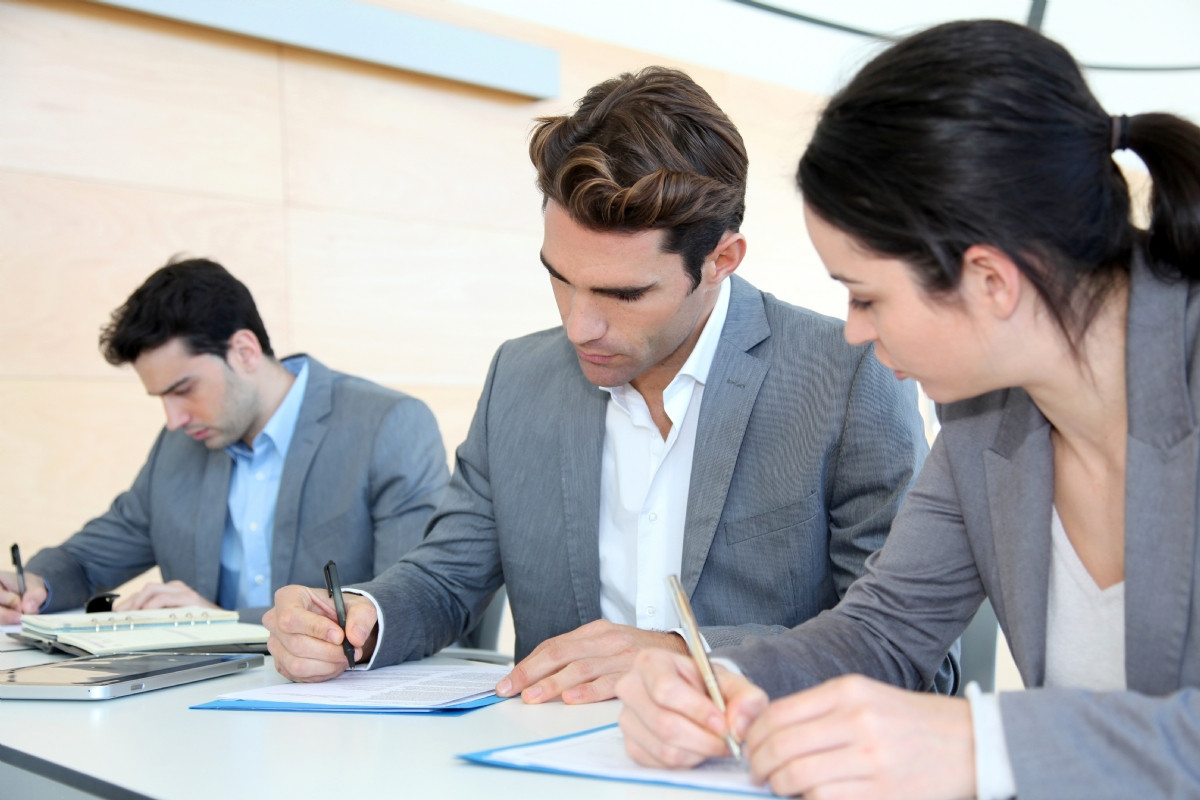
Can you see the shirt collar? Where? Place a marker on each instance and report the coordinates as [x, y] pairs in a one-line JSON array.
[[699, 362], [282, 424]]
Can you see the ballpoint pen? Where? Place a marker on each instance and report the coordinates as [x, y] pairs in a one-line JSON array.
[[335, 591], [695, 646], [16, 558]]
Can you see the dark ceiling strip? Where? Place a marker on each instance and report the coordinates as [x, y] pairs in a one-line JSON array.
[[1036, 14], [824, 23]]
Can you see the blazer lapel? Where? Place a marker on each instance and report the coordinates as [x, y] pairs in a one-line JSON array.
[[729, 395], [1019, 471], [1160, 485], [211, 513], [584, 407], [311, 427]]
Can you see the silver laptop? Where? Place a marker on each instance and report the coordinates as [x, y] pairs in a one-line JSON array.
[[106, 677]]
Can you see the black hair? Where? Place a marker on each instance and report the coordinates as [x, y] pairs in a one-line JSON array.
[[985, 132], [196, 300]]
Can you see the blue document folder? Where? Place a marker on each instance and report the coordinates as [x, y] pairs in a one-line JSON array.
[[444, 686], [262, 705], [600, 753]]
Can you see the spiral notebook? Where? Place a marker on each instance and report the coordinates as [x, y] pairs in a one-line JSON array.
[[187, 628]]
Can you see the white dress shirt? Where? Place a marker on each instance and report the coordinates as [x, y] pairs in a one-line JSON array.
[[644, 482]]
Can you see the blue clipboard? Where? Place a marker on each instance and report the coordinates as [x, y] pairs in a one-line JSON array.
[[263, 705], [677, 779]]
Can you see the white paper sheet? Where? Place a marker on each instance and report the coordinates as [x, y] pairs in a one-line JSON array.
[[404, 685], [601, 754]]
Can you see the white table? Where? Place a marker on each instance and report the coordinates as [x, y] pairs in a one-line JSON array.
[[154, 746]]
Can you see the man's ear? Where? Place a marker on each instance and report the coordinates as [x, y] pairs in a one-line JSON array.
[[245, 351], [727, 255], [992, 280]]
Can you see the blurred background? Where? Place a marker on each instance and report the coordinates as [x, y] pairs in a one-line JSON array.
[[362, 167]]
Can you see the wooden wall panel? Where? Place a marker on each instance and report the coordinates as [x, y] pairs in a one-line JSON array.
[[68, 448], [73, 250], [412, 302], [112, 95], [367, 139]]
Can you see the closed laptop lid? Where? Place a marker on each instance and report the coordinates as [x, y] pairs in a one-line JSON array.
[[106, 677]]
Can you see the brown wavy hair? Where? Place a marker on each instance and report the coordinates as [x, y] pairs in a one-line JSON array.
[[646, 150]]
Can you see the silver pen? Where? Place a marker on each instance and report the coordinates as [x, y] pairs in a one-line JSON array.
[[695, 646]]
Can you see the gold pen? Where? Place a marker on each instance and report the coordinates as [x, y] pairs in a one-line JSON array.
[[695, 646]]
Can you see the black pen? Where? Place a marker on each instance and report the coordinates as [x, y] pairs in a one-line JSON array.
[[335, 591], [16, 554]]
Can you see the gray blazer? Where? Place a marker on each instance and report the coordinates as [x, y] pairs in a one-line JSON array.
[[978, 523], [364, 472], [804, 449]]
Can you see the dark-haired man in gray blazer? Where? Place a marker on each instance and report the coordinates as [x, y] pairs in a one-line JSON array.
[[680, 421], [266, 468]]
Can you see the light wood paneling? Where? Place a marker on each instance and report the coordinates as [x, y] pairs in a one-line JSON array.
[[364, 138], [101, 93], [411, 302], [67, 448], [76, 249]]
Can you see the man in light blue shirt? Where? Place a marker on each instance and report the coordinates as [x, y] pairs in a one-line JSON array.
[[266, 469], [257, 470]]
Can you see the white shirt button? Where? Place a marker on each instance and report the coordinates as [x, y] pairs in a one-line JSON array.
[[259, 579], [653, 517], [649, 611], [253, 526], [262, 476]]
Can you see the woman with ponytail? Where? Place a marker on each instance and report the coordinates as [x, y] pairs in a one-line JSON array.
[[962, 187]]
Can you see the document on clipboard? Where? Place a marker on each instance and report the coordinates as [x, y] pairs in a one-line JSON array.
[[600, 753], [415, 688]]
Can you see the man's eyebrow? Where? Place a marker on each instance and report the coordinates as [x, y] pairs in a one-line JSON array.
[[607, 291], [553, 272], [174, 386]]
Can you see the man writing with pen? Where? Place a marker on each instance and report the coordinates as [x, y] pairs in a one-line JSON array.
[[679, 421], [266, 468]]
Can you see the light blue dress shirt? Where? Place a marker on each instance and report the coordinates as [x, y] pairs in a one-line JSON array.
[[253, 490]]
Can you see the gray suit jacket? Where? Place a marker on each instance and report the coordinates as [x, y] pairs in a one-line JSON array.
[[978, 522], [804, 449], [365, 470]]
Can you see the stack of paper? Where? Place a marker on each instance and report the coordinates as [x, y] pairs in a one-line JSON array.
[[403, 689]]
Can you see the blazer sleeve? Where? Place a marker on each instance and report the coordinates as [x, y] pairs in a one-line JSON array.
[[898, 622], [438, 590], [108, 551], [1074, 743], [408, 475]]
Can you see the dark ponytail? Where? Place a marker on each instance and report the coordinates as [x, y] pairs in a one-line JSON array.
[[985, 132], [1170, 149]]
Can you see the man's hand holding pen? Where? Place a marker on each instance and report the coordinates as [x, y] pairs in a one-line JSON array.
[[306, 639], [13, 604]]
